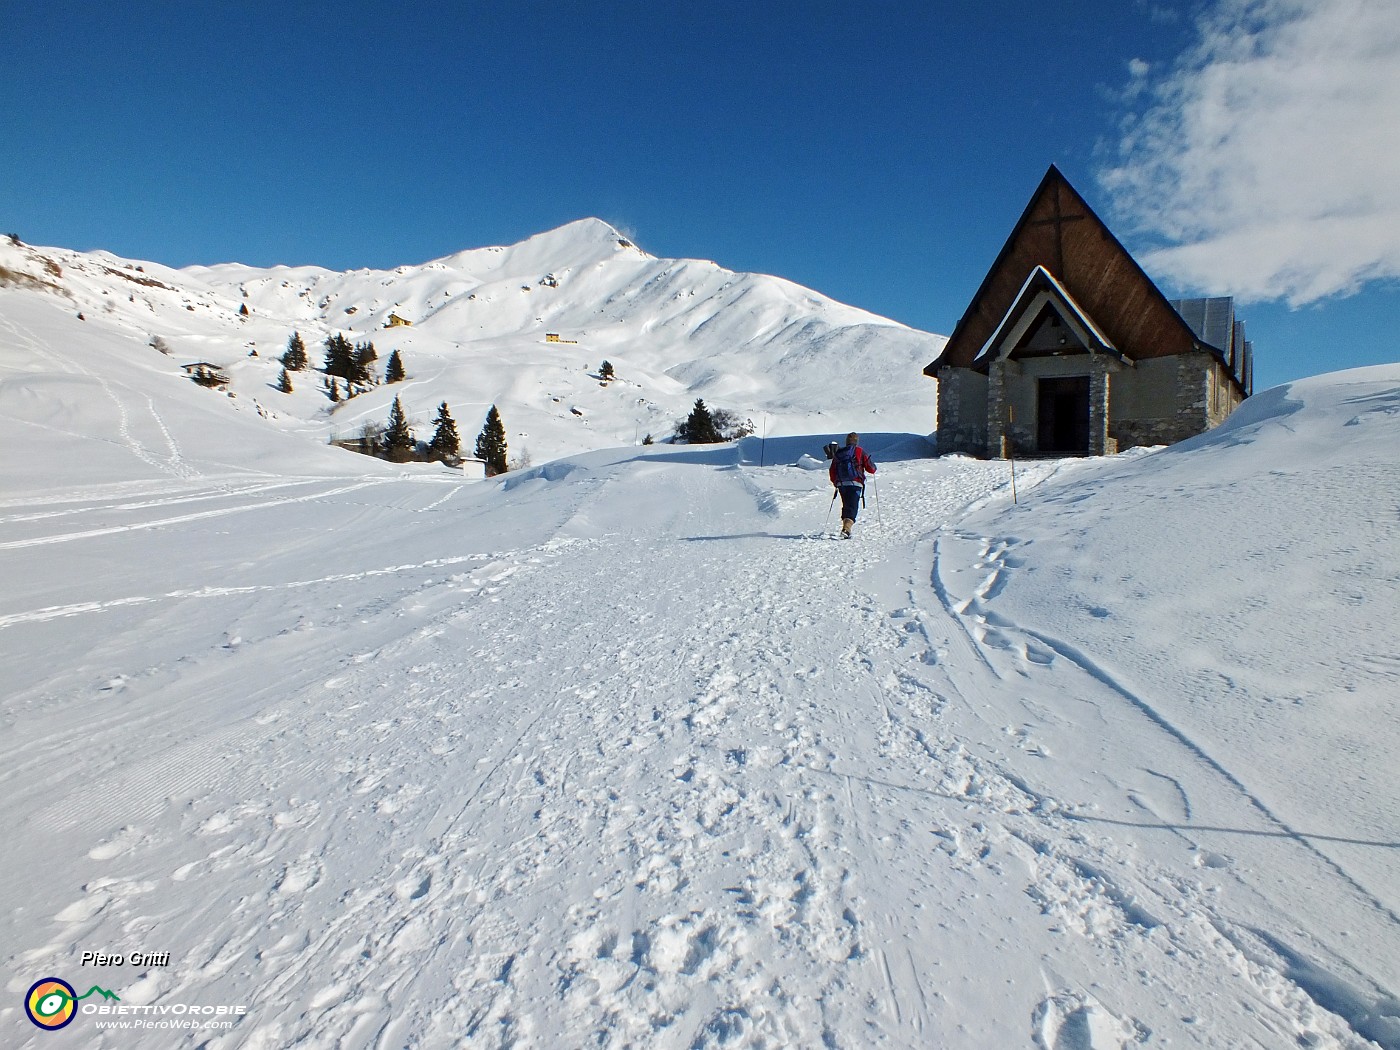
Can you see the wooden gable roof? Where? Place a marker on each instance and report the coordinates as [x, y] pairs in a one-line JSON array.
[[1060, 233]]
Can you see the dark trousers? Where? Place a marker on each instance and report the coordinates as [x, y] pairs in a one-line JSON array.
[[850, 500]]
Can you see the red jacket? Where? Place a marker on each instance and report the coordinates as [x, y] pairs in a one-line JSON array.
[[864, 465]]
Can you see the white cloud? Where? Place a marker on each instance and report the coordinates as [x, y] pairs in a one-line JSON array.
[[1268, 158]]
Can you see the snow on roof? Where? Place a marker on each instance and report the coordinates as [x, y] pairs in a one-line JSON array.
[[1067, 300]]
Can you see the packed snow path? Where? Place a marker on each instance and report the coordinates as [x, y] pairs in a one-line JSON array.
[[633, 752]]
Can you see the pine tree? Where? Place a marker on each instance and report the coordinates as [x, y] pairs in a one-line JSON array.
[[394, 373], [340, 357], [398, 438], [364, 357], [447, 443], [700, 426], [491, 444], [294, 359], [605, 372], [284, 382], [334, 392]]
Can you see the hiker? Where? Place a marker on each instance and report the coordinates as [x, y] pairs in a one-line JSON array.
[[849, 466]]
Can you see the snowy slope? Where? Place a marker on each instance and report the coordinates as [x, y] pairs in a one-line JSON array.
[[674, 330], [625, 750]]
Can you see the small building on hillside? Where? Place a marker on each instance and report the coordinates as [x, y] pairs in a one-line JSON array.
[[206, 374], [396, 321], [1069, 348]]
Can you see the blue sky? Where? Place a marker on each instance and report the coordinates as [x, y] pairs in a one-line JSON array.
[[876, 152]]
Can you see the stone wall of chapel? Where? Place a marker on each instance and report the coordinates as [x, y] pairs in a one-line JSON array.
[[962, 412]]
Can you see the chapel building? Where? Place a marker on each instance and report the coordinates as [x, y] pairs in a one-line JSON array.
[[1069, 348]]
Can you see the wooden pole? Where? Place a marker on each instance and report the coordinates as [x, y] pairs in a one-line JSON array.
[[1010, 448]]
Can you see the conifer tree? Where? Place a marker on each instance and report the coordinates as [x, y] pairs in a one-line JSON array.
[[394, 373], [284, 381], [605, 372], [294, 359], [398, 438], [491, 444], [363, 358], [340, 357], [334, 392], [446, 443], [700, 426]]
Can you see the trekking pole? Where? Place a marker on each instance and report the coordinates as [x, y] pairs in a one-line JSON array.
[[875, 490], [830, 505]]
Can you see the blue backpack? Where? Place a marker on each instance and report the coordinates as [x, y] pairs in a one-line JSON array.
[[847, 473]]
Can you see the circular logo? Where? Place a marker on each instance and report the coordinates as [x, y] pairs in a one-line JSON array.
[[51, 1003]]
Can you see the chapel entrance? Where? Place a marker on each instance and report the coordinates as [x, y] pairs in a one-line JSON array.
[[1063, 415]]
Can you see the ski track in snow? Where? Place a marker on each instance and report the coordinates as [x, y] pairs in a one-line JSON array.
[[169, 461], [179, 519], [1008, 650], [718, 817]]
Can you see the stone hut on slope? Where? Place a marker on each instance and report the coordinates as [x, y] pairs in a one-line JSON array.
[[1069, 348]]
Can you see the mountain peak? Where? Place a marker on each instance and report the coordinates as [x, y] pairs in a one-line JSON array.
[[585, 233], [572, 244], [593, 228]]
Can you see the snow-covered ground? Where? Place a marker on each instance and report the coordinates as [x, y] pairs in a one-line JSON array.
[[626, 750]]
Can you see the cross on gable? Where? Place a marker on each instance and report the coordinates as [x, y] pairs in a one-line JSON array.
[[1058, 220]]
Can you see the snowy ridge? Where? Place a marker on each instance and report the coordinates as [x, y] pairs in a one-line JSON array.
[[673, 329]]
